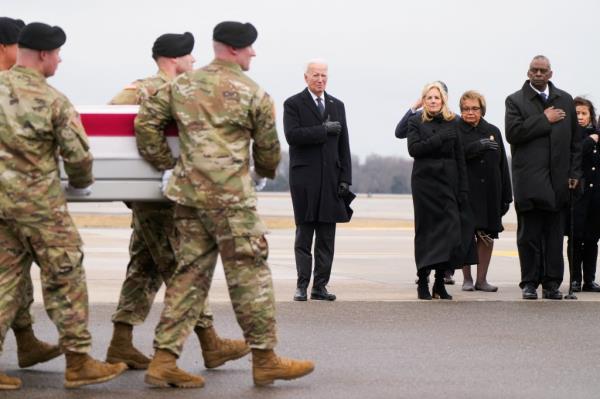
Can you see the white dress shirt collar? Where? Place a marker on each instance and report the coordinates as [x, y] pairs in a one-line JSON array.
[[314, 97], [546, 91]]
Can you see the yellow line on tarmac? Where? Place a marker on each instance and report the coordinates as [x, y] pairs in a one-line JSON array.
[[508, 254]]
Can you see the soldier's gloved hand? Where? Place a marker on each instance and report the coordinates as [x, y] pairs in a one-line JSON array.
[[164, 181], [448, 135], [77, 192], [259, 181], [333, 127], [487, 144], [343, 189]]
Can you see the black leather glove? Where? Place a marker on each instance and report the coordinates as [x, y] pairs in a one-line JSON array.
[[448, 135], [333, 127], [487, 144], [505, 208], [343, 189]]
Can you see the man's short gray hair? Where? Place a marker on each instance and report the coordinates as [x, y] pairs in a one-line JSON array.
[[315, 61], [542, 57]]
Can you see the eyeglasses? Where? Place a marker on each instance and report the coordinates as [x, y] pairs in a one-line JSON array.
[[543, 71], [466, 110]]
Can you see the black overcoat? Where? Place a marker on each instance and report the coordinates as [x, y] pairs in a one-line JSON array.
[[587, 202], [544, 155], [444, 231], [318, 162], [489, 180]]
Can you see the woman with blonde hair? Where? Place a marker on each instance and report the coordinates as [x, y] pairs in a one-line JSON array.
[[444, 234], [490, 193]]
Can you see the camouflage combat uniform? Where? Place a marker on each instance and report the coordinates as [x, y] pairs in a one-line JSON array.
[[23, 319], [219, 111], [38, 123], [152, 259]]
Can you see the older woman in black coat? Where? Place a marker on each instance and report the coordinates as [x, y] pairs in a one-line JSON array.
[[490, 193], [586, 223], [443, 233]]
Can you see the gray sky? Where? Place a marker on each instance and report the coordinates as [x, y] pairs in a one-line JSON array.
[[380, 52]]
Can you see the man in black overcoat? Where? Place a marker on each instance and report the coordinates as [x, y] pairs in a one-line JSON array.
[[541, 126], [320, 175]]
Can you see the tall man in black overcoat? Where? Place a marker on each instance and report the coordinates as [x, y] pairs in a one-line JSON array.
[[320, 175], [541, 126]]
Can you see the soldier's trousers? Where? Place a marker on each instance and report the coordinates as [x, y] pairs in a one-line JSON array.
[[152, 262], [24, 318], [238, 236], [55, 245]]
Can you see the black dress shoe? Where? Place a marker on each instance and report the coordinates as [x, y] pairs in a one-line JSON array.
[[449, 280], [321, 294], [576, 286], [591, 287], [448, 277], [529, 292], [300, 294], [552, 293]]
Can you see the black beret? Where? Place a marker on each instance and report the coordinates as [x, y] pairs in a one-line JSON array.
[[235, 34], [9, 30], [173, 45], [40, 36]]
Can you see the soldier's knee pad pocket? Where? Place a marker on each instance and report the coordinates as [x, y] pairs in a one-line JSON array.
[[252, 247], [248, 233], [60, 260]]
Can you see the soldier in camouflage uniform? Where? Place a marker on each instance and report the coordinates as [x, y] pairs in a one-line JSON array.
[[38, 123], [219, 112], [152, 259], [30, 350]]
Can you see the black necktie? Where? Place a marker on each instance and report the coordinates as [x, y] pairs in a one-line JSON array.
[[544, 97], [320, 106]]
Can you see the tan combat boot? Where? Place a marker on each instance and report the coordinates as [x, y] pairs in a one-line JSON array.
[[31, 350], [268, 367], [83, 369], [7, 382], [216, 351], [121, 348], [163, 372]]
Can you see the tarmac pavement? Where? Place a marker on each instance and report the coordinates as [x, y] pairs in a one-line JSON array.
[[376, 341], [363, 350], [371, 264]]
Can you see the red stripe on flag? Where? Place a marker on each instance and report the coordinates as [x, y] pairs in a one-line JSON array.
[[115, 125]]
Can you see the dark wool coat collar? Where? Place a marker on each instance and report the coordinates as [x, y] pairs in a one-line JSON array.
[[308, 99], [483, 125], [590, 129], [531, 94]]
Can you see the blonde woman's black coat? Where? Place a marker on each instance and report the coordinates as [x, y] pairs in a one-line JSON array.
[[444, 230]]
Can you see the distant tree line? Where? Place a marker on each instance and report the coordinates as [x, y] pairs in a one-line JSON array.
[[377, 174]]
